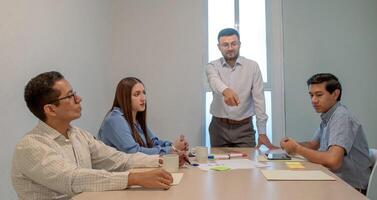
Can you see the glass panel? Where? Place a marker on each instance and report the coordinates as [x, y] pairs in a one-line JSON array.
[[252, 26], [220, 16], [267, 96], [253, 32]]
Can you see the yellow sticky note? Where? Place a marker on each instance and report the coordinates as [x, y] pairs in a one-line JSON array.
[[294, 165], [220, 168]]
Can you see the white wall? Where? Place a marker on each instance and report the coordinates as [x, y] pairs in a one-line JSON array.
[[70, 36], [95, 44], [162, 43], [336, 36]]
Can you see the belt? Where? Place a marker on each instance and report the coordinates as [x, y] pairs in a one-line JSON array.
[[233, 122], [362, 191]]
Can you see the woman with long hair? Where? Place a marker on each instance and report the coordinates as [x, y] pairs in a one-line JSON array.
[[125, 127]]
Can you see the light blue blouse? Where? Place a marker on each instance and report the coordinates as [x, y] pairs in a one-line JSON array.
[[115, 131]]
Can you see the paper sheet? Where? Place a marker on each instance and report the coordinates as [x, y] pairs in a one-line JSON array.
[[177, 177], [295, 175], [232, 164]]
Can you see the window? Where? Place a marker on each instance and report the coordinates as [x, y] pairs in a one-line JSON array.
[[249, 17]]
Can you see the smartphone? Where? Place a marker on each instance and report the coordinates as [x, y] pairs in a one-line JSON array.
[[278, 156]]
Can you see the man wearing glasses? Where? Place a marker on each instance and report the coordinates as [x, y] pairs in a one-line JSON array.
[[237, 88], [56, 160]]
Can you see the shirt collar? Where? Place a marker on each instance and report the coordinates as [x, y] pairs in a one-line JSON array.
[[224, 64], [326, 116], [118, 109], [121, 112], [50, 132]]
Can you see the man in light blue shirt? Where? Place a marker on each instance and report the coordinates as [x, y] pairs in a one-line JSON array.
[[237, 87], [339, 143]]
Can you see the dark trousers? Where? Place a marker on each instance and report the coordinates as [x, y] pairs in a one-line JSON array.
[[223, 134]]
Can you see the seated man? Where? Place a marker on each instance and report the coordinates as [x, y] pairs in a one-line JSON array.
[[56, 160], [339, 144]]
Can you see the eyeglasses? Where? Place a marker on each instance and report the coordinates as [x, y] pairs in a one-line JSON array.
[[74, 95], [227, 45]]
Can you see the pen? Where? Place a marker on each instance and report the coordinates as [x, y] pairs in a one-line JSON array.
[[187, 160]]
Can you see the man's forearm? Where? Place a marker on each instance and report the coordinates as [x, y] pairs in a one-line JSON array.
[[328, 159], [309, 145]]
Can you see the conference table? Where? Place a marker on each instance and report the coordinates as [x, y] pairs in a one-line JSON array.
[[238, 184]]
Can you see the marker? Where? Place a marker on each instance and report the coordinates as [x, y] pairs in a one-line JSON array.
[[195, 164], [226, 156]]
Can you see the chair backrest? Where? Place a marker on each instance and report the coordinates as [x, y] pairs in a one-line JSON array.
[[372, 185]]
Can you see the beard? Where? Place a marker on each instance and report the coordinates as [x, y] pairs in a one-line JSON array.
[[231, 56]]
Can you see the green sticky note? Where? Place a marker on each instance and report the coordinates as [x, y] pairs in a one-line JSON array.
[[220, 168]]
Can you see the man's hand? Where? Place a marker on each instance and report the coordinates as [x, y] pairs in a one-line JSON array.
[[263, 139], [230, 97], [158, 178], [289, 145]]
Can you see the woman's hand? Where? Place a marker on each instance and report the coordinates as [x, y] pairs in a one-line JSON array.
[[181, 144]]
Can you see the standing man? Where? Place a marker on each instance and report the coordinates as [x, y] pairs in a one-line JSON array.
[[56, 160], [339, 143], [237, 87]]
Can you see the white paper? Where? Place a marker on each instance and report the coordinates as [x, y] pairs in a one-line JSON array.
[[232, 164], [301, 175], [177, 177]]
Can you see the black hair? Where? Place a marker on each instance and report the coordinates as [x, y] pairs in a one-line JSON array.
[[228, 32], [39, 92], [332, 82]]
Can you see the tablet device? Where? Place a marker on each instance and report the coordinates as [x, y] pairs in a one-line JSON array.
[[278, 156]]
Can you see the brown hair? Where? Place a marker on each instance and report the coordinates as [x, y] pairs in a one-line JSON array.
[[122, 100]]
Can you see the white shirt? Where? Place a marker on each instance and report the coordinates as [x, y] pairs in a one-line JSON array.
[[246, 80], [46, 165]]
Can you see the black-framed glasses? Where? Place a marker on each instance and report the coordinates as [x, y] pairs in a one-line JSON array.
[[74, 95]]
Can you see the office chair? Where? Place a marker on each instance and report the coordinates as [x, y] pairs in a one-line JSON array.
[[372, 185]]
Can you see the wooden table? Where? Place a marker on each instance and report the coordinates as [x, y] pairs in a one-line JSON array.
[[240, 184]]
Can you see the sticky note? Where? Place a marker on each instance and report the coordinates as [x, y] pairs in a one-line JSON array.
[[220, 168], [294, 165]]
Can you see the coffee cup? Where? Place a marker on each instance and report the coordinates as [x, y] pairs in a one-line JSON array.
[[201, 154], [170, 162]]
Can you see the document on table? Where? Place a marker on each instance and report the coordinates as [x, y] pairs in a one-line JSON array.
[[232, 164], [295, 175], [177, 177]]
